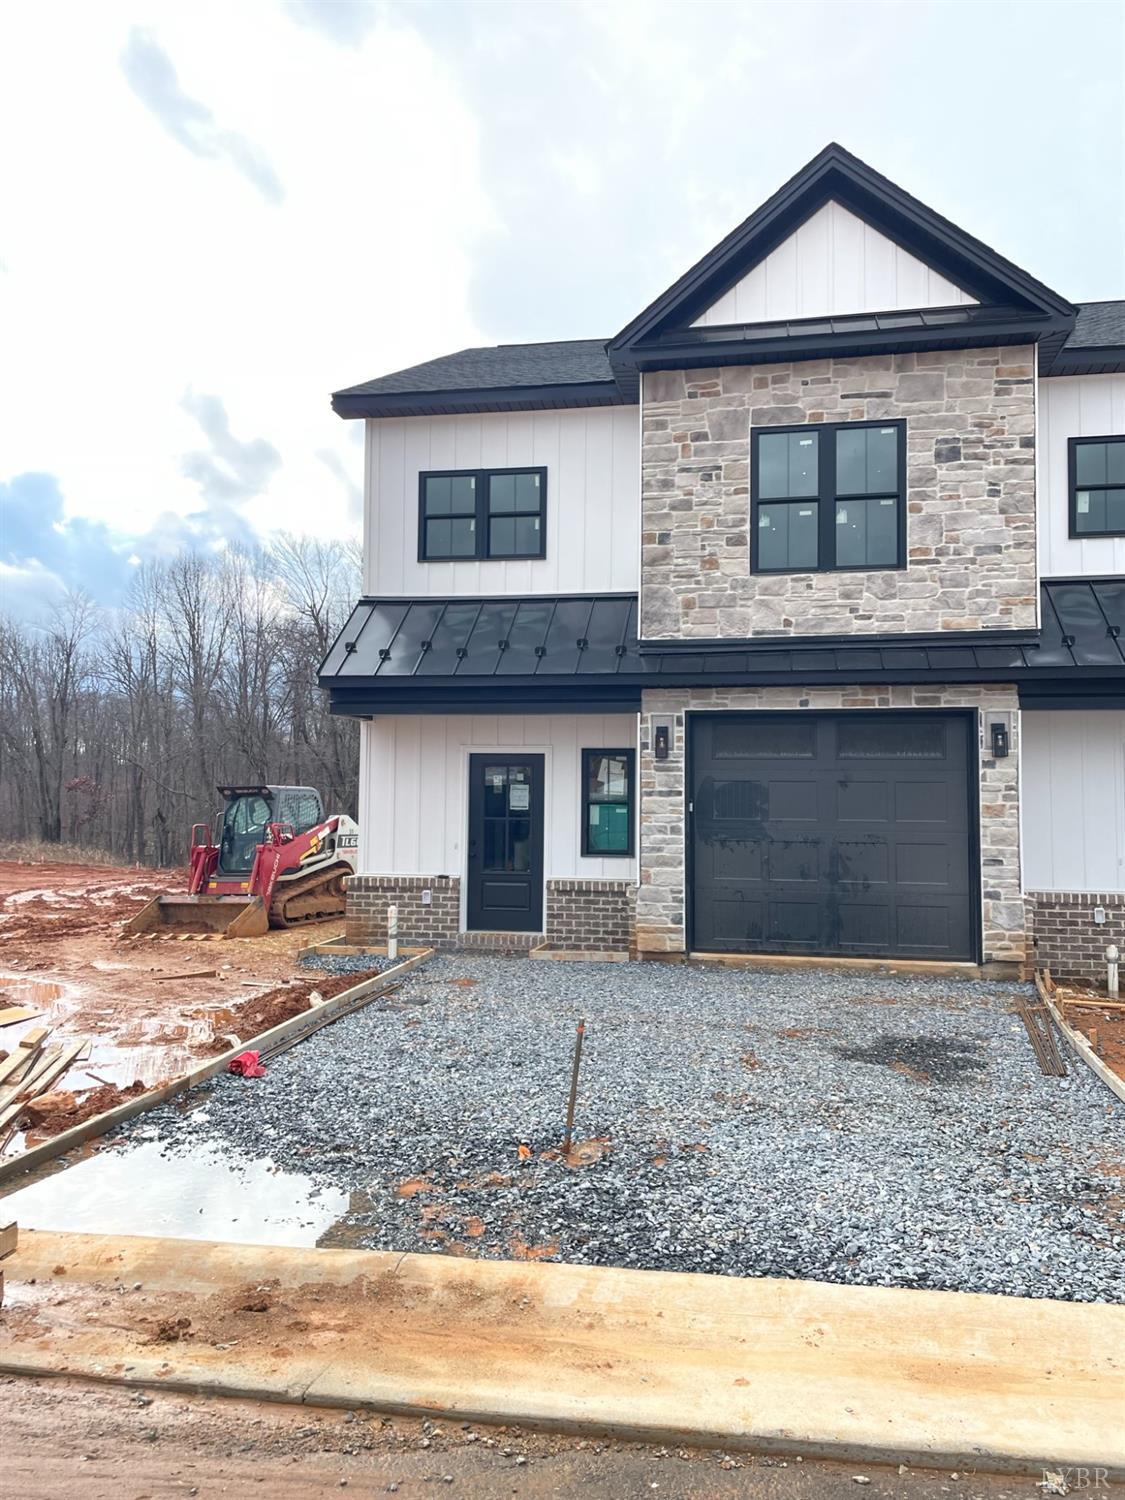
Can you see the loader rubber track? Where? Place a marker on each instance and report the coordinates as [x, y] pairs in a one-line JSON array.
[[312, 898]]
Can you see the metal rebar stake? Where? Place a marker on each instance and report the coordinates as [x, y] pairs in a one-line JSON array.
[[573, 1087]]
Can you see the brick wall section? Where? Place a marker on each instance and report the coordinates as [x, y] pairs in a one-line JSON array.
[[970, 439], [661, 893], [591, 914], [420, 924], [581, 914], [1066, 938]]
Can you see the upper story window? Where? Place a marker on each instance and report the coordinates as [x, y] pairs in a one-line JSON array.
[[482, 513], [828, 496], [1097, 486]]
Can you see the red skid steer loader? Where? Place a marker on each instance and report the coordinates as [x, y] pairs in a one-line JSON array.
[[277, 861]]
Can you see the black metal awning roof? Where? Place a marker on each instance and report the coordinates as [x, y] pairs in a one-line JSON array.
[[580, 652]]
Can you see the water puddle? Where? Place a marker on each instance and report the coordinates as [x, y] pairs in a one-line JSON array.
[[207, 1194], [40, 992], [121, 1049]]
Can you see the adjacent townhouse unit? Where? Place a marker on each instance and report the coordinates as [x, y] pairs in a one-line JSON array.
[[787, 621]]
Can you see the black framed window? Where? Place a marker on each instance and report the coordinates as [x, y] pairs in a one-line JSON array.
[[1097, 486], [482, 513], [607, 802], [829, 496]]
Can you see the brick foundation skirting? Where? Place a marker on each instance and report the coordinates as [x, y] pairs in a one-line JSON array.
[[580, 914], [432, 922], [591, 915], [1065, 937]]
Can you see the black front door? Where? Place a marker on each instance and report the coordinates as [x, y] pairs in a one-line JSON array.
[[505, 843]]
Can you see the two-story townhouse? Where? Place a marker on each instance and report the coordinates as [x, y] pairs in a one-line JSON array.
[[788, 621]]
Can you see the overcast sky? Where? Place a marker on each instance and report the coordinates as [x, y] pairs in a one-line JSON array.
[[213, 215]]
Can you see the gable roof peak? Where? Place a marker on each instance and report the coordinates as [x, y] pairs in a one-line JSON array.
[[836, 173]]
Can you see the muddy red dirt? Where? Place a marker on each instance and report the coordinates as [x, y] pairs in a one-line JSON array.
[[1103, 1028], [147, 1010], [118, 1444]]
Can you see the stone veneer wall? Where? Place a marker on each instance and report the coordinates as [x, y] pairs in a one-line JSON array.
[[661, 894], [970, 438], [432, 924], [1066, 938], [591, 914]]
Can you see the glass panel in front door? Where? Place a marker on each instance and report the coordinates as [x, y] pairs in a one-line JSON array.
[[507, 818]]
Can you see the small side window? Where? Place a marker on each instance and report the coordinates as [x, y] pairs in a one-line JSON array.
[[607, 803], [1097, 486]]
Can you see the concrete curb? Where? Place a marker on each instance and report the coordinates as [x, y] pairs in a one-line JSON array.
[[925, 1378]]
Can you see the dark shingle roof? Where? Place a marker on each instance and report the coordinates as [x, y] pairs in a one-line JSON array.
[[1099, 325], [467, 380], [505, 367]]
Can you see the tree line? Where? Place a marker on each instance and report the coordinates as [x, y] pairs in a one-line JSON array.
[[116, 727]]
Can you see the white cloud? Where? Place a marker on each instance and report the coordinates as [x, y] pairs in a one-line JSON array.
[[137, 269]]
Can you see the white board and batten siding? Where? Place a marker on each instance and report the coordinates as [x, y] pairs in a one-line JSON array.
[[1074, 406], [1072, 770], [834, 264], [592, 458], [414, 780]]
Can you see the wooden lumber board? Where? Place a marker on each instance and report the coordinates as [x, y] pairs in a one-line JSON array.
[[1080, 1046], [39, 1062], [296, 1027], [191, 974], [40, 1082], [337, 946], [15, 1013], [35, 1037], [1066, 1002], [9, 1239], [13, 1067]]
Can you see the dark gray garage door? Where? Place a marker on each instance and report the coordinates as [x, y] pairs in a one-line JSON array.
[[832, 833]]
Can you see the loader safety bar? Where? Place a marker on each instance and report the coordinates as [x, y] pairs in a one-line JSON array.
[[281, 833], [200, 835]]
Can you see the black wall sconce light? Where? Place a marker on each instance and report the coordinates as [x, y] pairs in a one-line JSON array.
[[661, 740], [1001, 736]]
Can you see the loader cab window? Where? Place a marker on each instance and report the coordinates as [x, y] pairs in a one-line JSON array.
[[301, 808], [244, 828]]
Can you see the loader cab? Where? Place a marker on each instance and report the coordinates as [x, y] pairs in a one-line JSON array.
[[249, 812]]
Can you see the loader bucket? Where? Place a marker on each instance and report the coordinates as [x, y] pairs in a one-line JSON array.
[[232, 916]]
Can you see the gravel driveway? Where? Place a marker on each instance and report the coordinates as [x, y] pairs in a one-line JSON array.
[[846, 1127]]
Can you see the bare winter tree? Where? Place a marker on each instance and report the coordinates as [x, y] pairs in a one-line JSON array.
[[44, 671], [116, 729]]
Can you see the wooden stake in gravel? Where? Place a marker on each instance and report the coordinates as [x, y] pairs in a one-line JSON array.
[[573, 1087]]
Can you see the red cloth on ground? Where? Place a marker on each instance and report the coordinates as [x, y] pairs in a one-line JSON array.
[[248, 1064]]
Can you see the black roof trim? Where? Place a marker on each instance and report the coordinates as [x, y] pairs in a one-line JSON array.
[[836, 174], [503, 654], [483, 398], [724, 646], [840, 338], [1094, 346], [1103, 361]]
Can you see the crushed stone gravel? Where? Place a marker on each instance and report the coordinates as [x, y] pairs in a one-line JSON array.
[[348, 963], [846, 1127]]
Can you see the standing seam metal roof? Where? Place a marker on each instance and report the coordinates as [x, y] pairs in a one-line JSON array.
[[388, 644]]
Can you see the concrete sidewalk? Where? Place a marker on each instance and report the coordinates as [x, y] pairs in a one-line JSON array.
[[788, 1366]]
